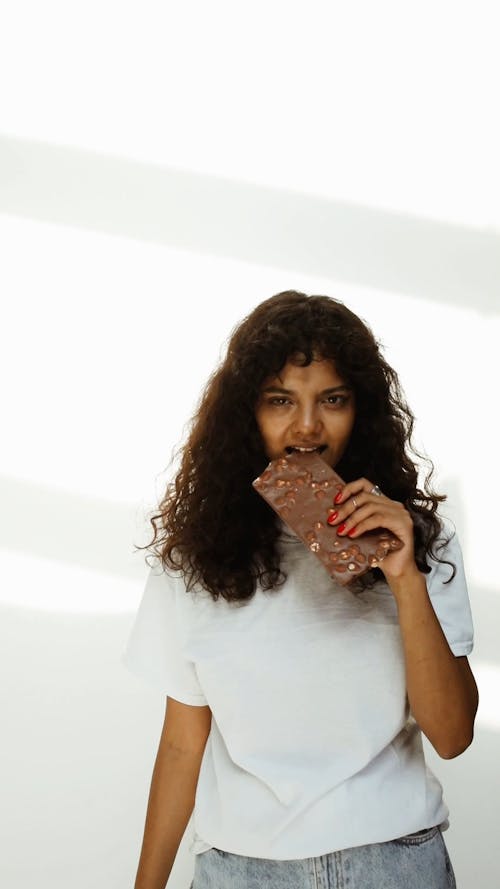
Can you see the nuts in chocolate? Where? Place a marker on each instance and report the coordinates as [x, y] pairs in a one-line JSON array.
[[300, 489]]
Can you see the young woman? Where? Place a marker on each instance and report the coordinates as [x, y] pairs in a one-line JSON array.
[[296, 706]]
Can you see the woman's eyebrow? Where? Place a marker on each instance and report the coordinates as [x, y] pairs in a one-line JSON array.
[[284, 391]]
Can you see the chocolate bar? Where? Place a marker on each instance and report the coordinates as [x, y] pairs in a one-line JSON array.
[[301, 488]]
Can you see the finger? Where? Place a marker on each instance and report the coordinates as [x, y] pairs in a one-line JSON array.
[[393, 519], [358, 486], [366, 518], [343, 511], [345, 505]]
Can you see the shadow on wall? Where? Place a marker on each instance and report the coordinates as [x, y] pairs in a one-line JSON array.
[[269, 226], [72, 529]]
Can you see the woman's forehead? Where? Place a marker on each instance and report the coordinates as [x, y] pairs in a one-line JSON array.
[[321, 371]]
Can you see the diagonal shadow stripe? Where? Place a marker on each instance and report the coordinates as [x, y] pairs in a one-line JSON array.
[[72, 528], [269, 226]]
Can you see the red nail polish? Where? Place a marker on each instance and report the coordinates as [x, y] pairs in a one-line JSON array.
[[341, 528], [338, 497], [351, 532], [331, 518]]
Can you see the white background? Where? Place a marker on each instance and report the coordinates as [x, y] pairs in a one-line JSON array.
[[164, 167]]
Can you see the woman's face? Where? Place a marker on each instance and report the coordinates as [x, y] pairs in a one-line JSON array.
[[306, 407]]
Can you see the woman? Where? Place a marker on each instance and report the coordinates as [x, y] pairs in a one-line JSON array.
[[295, 705]]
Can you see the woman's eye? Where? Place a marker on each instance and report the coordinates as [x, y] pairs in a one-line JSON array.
[[337, 399], [332, 400]]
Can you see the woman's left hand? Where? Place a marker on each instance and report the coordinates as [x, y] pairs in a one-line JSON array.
[[358, 511]]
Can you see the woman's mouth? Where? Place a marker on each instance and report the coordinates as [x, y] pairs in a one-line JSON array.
[[306, 450]]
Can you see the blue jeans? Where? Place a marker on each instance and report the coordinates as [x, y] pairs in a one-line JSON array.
[[417, 861]]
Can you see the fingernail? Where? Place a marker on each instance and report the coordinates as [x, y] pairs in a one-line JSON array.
[[338, 497], [351, 532], [341, 528], [331, 518]]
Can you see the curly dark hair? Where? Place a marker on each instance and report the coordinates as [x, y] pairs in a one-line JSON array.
[[212, 525]]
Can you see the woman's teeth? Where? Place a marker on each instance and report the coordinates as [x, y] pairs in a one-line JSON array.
[[306, 450]]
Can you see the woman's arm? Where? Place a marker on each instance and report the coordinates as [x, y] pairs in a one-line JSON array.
[[173, 790], [442, 691], [170, 805]]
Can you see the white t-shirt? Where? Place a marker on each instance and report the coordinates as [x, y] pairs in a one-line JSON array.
[[312, 747]]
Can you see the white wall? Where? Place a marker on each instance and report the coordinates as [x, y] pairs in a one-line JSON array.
[[164, 168]]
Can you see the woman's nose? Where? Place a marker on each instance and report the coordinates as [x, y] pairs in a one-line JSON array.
[[307, 422]]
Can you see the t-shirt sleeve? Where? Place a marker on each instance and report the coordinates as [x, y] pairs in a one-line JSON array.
[[153, 650], [451, 600]]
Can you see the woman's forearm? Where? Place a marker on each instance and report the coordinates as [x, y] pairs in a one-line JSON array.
[[170, 805], [442, 692]]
